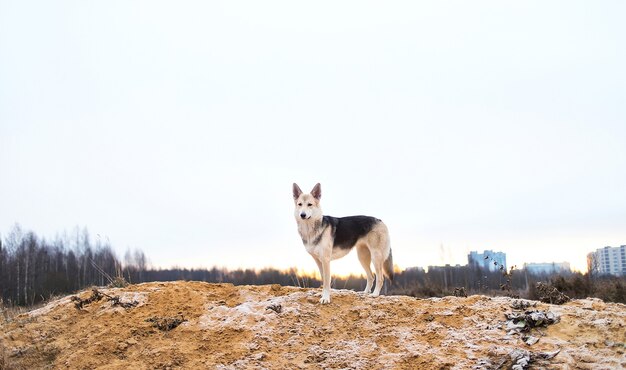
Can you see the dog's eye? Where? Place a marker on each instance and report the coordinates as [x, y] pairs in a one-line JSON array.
[[310, 204], [299, 204]]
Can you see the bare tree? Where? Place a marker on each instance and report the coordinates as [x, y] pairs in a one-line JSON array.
[[593, 265], [141, 263]]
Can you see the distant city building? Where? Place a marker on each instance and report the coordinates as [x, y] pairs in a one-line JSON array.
[[608, 261], [486, 260], [548, 268]]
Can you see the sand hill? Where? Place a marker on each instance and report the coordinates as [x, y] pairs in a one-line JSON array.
[[194, 325]]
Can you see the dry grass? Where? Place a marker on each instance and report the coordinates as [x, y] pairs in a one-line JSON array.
[[9, 313], [6, 314], [4, 356], [119, 282]]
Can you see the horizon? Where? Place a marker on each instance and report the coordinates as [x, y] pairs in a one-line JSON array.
[[179, 129], [340, 270]]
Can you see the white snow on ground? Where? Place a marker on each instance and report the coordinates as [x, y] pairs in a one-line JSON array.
[[252, 314], [140, 298], [50, 306]]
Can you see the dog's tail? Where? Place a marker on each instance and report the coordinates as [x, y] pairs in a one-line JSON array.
[[388, 266]]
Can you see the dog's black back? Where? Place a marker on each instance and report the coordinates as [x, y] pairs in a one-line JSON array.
[[347, 230]]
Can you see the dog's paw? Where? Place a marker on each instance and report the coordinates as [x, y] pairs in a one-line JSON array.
[[374, 294], [325, 300]]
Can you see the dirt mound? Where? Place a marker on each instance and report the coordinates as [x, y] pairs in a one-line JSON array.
[[199, 325]]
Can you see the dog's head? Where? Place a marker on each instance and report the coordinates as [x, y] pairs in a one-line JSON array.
[[307, 205]]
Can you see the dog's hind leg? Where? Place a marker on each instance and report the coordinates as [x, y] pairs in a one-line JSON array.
[[366, 260], [378, 267]]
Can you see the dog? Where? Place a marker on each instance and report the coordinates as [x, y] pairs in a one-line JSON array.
[[328, 238]]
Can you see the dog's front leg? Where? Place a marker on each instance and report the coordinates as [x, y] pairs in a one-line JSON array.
[[325, 281], [319, 267]]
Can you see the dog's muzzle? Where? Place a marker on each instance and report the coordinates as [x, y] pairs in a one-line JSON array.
[[303, 215]]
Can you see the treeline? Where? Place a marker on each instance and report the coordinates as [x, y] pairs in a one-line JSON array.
[[33, 269]]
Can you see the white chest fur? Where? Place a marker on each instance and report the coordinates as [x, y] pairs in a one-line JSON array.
[[316, 239]]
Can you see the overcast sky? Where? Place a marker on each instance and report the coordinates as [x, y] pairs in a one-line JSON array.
[[179, 127]]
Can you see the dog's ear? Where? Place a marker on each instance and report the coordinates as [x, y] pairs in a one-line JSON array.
[[296, 191], [317, 191]]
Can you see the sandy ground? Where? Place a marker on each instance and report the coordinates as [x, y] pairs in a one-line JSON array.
[[229, 327]]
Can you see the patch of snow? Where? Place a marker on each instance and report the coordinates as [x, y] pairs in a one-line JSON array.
[[253, 314], [50, 306], [601, 322], [125, 297]]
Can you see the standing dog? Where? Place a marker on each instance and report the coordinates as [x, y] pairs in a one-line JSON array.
[[328, 238]]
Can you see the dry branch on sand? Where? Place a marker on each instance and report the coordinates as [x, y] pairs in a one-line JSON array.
[[97, 295], [549, 294]]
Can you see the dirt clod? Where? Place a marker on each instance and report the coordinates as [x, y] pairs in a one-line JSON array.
[[166, 323], [275, 307]]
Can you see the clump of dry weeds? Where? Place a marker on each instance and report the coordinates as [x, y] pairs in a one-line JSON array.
[[550, 294], [97, 295]]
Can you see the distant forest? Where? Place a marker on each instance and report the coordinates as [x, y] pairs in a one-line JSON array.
[[33, 269]]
